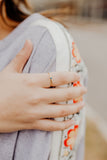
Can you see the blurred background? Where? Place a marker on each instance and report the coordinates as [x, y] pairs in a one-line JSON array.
[[87, 22]]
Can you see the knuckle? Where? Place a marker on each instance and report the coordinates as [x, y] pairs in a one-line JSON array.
[[36, 125], [31, 82], [41, 99], [19, 55], [22, 54], [69, 94], [63, 112], [26, 81], [28, 118], [63, 126], [38, 99], [31, 117], [63, 78]]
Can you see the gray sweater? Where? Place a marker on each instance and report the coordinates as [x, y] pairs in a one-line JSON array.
[[33, 144]]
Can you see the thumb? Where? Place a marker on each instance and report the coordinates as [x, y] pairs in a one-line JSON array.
[[18, 63]]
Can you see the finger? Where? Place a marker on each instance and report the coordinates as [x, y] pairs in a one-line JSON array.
[[58, 78], [51, 125], [62, 110], [18, 63], [56, 95]]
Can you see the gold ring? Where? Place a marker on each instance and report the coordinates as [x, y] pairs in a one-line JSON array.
[[51, 83]]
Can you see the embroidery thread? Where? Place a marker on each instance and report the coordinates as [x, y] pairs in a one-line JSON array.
[[72, 134]]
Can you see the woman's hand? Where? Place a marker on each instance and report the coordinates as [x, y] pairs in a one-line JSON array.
[[27, 101]]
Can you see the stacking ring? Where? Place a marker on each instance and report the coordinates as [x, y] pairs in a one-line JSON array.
[[51, 82]]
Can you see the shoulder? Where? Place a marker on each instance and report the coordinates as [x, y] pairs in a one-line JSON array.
[[28, 29], [34, 29], [36, 26], [44, 52], [54, 40]]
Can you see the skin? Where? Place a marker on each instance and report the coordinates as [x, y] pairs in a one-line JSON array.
[[27, 101]]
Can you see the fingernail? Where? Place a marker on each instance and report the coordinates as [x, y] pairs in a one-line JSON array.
[[28, 47], [84, 89], [28, 44]]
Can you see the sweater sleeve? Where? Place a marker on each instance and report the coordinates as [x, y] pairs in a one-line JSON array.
[[44, 58]]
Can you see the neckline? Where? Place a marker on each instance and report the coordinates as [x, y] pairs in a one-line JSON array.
[[8, 39]]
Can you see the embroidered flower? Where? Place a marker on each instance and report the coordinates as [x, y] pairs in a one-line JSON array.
[[75, 53], [72, 134], [77, 84]]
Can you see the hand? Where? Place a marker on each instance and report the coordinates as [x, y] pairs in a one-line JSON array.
[[26, 100]]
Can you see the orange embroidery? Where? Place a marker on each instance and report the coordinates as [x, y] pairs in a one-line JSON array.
[[77, 84], [75, 53], [72, 134]]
